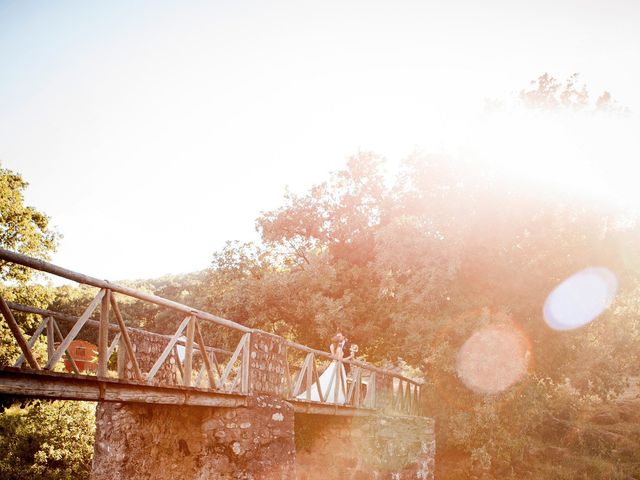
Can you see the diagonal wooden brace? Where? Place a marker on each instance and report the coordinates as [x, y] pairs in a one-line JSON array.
[[241, 345], [32, 340], [317, 382], [205, 358], [167, 350], [114, 344], [17, 334], [302, 375], [74, 367], [74, 331], [188, 352]]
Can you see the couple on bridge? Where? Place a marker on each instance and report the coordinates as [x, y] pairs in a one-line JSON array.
[[333, 381]]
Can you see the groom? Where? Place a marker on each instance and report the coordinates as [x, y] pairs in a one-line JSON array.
[[345, 345]]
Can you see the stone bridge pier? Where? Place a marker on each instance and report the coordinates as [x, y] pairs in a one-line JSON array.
[[361, 448], [264, 439], [156, 442]]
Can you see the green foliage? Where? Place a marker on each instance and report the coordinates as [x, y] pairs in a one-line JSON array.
[[22, 229], [44, 440], [26, 230], [29, 294], [410, 270], [47, 440]]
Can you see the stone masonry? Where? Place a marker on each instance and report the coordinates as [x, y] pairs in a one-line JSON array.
[[148, 347], [267, 364], [149, 442], [363, 448]]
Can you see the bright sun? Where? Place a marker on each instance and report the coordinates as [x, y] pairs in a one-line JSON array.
[[586, 154]]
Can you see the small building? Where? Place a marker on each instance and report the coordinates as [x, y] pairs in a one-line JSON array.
[[85, 354]]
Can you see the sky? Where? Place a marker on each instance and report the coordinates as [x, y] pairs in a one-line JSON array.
[[153, 132]]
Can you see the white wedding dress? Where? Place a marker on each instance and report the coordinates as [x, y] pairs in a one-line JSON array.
[[327, 382]]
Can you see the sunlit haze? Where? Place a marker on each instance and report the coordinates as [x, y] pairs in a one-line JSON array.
[[153, 132]]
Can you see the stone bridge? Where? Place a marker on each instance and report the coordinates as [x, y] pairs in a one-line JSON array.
[[186, 406]]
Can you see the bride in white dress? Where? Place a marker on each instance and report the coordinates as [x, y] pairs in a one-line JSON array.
[[328, 381]]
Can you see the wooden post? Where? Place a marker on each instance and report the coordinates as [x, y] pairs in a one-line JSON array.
[[317, 381], [188, 352], [122, 358], [246, 364], [244, 340], [103, 335], [357, 383], [51, 339], [176, 355], [17, 334], [372, 386], [409, 398], [353, 392], [405, 386], [287, 372], [127, 343], [309, 379], [205, 356]]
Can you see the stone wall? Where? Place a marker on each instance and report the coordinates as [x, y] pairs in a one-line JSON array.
[[145, 442], [267, 373], [148, 347], [384, 393], [364, 448]]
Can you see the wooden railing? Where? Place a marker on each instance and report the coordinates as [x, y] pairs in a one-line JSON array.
[[185, 359], [364, 387]]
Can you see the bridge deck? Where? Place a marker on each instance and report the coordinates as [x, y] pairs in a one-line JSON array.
[[42, 384]]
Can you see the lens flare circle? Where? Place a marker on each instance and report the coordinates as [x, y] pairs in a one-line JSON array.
[[580, 298], [493, 359]]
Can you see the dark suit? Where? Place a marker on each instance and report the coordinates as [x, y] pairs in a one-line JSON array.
[[345, 352]]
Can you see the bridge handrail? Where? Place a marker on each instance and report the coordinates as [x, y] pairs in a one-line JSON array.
[[47, 267], [19, 307], [43, 266], [357, 363]]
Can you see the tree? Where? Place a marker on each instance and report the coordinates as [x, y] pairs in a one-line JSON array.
[[26, 230], [22, 228], [547, 93], [412, 270], [48, 440]]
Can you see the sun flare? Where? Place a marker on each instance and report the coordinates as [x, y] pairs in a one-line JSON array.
[[584, 154]]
